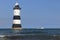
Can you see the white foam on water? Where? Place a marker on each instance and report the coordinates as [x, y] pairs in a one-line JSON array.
[[2, 35]]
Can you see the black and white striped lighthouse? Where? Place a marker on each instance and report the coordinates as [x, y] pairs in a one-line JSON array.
[[16, 17]]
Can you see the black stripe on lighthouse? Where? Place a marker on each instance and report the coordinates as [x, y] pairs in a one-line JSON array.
[[16, 17], [16, 25]]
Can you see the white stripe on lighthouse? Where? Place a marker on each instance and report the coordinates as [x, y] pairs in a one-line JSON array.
[[16, 21], [17, 12]]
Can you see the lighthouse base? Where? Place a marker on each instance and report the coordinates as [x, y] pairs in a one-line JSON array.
[[17, 28]]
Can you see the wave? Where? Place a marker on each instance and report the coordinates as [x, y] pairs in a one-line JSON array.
[[2, 36]]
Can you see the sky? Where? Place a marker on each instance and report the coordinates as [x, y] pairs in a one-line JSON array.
[[34, 13]]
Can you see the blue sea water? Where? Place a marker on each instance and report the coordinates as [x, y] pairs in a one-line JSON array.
[[30, 34]]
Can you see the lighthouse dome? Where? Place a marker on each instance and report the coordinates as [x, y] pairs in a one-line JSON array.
[[17, 6]]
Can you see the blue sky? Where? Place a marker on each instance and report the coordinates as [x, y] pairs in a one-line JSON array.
[[34, 13]]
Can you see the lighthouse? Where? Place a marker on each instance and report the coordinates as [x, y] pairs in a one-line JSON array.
[[16, 17]]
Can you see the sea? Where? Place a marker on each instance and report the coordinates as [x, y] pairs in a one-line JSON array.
[[30, 34]]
